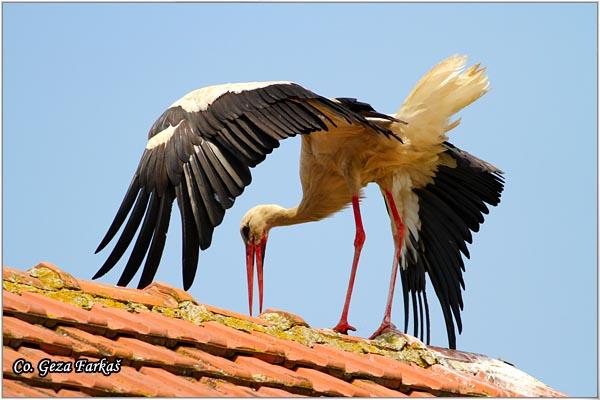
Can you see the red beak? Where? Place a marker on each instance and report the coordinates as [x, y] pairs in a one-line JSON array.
[[255, 252]]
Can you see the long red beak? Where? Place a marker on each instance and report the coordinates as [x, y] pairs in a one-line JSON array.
[[255, 252]]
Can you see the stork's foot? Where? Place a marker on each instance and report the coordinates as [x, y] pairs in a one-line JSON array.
[[343, 327], [386, 326]]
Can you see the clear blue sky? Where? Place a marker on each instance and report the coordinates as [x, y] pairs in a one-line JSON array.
[[83, 83]]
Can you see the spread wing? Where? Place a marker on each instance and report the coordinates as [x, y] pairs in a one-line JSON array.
[[200, 152], [449, 209]]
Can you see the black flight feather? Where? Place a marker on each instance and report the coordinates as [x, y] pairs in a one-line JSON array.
[[203, 158], [141, 244], [451, 207]]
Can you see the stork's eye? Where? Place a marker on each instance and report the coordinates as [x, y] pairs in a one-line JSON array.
[[246, 232]]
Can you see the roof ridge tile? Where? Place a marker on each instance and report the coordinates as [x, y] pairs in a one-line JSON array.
[[37, 306], [285, 320], [127, 295], [179, 295], [227, 313], [53, 277], [15, 276]]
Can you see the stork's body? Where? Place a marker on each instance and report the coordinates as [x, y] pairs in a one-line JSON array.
[[200, 150], [334, 167]]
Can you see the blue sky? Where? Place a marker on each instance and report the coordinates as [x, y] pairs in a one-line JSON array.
[[83, 83]]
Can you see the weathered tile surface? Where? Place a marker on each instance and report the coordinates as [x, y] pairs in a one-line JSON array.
[[160, 342]]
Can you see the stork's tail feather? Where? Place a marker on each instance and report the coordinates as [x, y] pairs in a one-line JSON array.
[[440, 94], [450, 209]]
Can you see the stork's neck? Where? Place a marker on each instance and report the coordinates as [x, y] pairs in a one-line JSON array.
[[264, 217], [274, 215], [257, 222]]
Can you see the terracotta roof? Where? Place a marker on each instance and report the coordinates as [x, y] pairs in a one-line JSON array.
[[161, 342]]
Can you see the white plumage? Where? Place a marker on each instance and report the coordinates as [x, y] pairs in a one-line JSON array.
[[201, 99]]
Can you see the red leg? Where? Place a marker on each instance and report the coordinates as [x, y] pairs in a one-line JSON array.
[[386, 324], [359, 240]]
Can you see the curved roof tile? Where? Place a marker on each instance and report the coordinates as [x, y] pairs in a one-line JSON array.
[[160, 341]]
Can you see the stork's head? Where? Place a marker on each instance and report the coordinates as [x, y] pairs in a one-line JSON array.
[[254, 229]]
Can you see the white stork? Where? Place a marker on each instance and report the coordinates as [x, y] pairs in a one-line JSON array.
[[201, 149]]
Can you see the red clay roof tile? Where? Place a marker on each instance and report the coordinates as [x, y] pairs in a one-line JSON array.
[[353, 363], [295, 353], [183, 386], [54, 277], [126, 321], [9, 357], [38, 305], [15, 276], [392, 368], [128, 380], [240, 340], [266, 391], [467, 385], [154, 354], [420, 393], [100, 346], [228, 389], [168, 345], [177, 294], [421, 378], [215, 366], [328, 385], [233, 314], [376, 390], [12, 388], [293, 319], [16, 303], [127, 295], [41, 360], [274, 374], [332, 355], [16, 329], [68, 393]]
